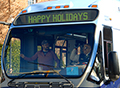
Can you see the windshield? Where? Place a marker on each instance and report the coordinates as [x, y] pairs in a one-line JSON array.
[[49, 50]]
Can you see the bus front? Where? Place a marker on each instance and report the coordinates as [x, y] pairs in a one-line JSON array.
[[52, 49]]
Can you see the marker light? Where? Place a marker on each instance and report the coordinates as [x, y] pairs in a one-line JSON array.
[[24, 11], [94, 6], [110, 19], [49, 7], [66, 6], [57, 7]]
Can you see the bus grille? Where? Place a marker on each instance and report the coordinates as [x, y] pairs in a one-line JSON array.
[[40, 85]]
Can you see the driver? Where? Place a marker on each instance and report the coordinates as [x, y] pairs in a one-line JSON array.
[[45, 56]]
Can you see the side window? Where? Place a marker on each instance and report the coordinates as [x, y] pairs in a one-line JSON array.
[[13, 56], [97, 72], [30, 2], [107, 35], [60, 50]]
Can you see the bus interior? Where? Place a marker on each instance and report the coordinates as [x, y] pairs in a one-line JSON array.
[[62, 40]]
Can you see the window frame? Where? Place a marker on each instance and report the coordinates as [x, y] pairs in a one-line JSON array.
[[102, 64]]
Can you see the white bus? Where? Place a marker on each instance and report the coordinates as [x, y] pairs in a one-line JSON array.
[[63, 44]]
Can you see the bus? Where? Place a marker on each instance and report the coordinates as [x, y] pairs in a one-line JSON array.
[[63, 44]]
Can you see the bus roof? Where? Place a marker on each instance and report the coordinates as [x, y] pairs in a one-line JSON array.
[[72, 4]]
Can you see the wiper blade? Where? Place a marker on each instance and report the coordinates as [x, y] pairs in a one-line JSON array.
[[43, 72], [29, 73], [64, 78], [49, 66], [34, 72]]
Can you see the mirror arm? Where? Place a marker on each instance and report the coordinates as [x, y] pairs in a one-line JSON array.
[[5, 23]]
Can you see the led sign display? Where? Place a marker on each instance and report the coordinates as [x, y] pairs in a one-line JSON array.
[[74, 15]]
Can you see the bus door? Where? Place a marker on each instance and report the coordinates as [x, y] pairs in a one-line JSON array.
[[108, 45], [110, 35]]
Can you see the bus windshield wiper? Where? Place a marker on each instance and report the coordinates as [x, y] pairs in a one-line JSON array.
[[44, 72], [29, 73], [34, 72], [54, 71]]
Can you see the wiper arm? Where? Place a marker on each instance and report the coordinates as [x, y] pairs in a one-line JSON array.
[[34, 72], [28, 73], [49, 66], [64, 78], [5, 23]]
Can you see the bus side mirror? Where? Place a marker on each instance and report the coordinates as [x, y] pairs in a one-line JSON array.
[[113, 69]]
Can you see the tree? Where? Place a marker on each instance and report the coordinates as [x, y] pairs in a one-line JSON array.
[[13, 56], [9, 9]]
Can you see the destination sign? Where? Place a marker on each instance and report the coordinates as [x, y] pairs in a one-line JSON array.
[[74, 15]]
